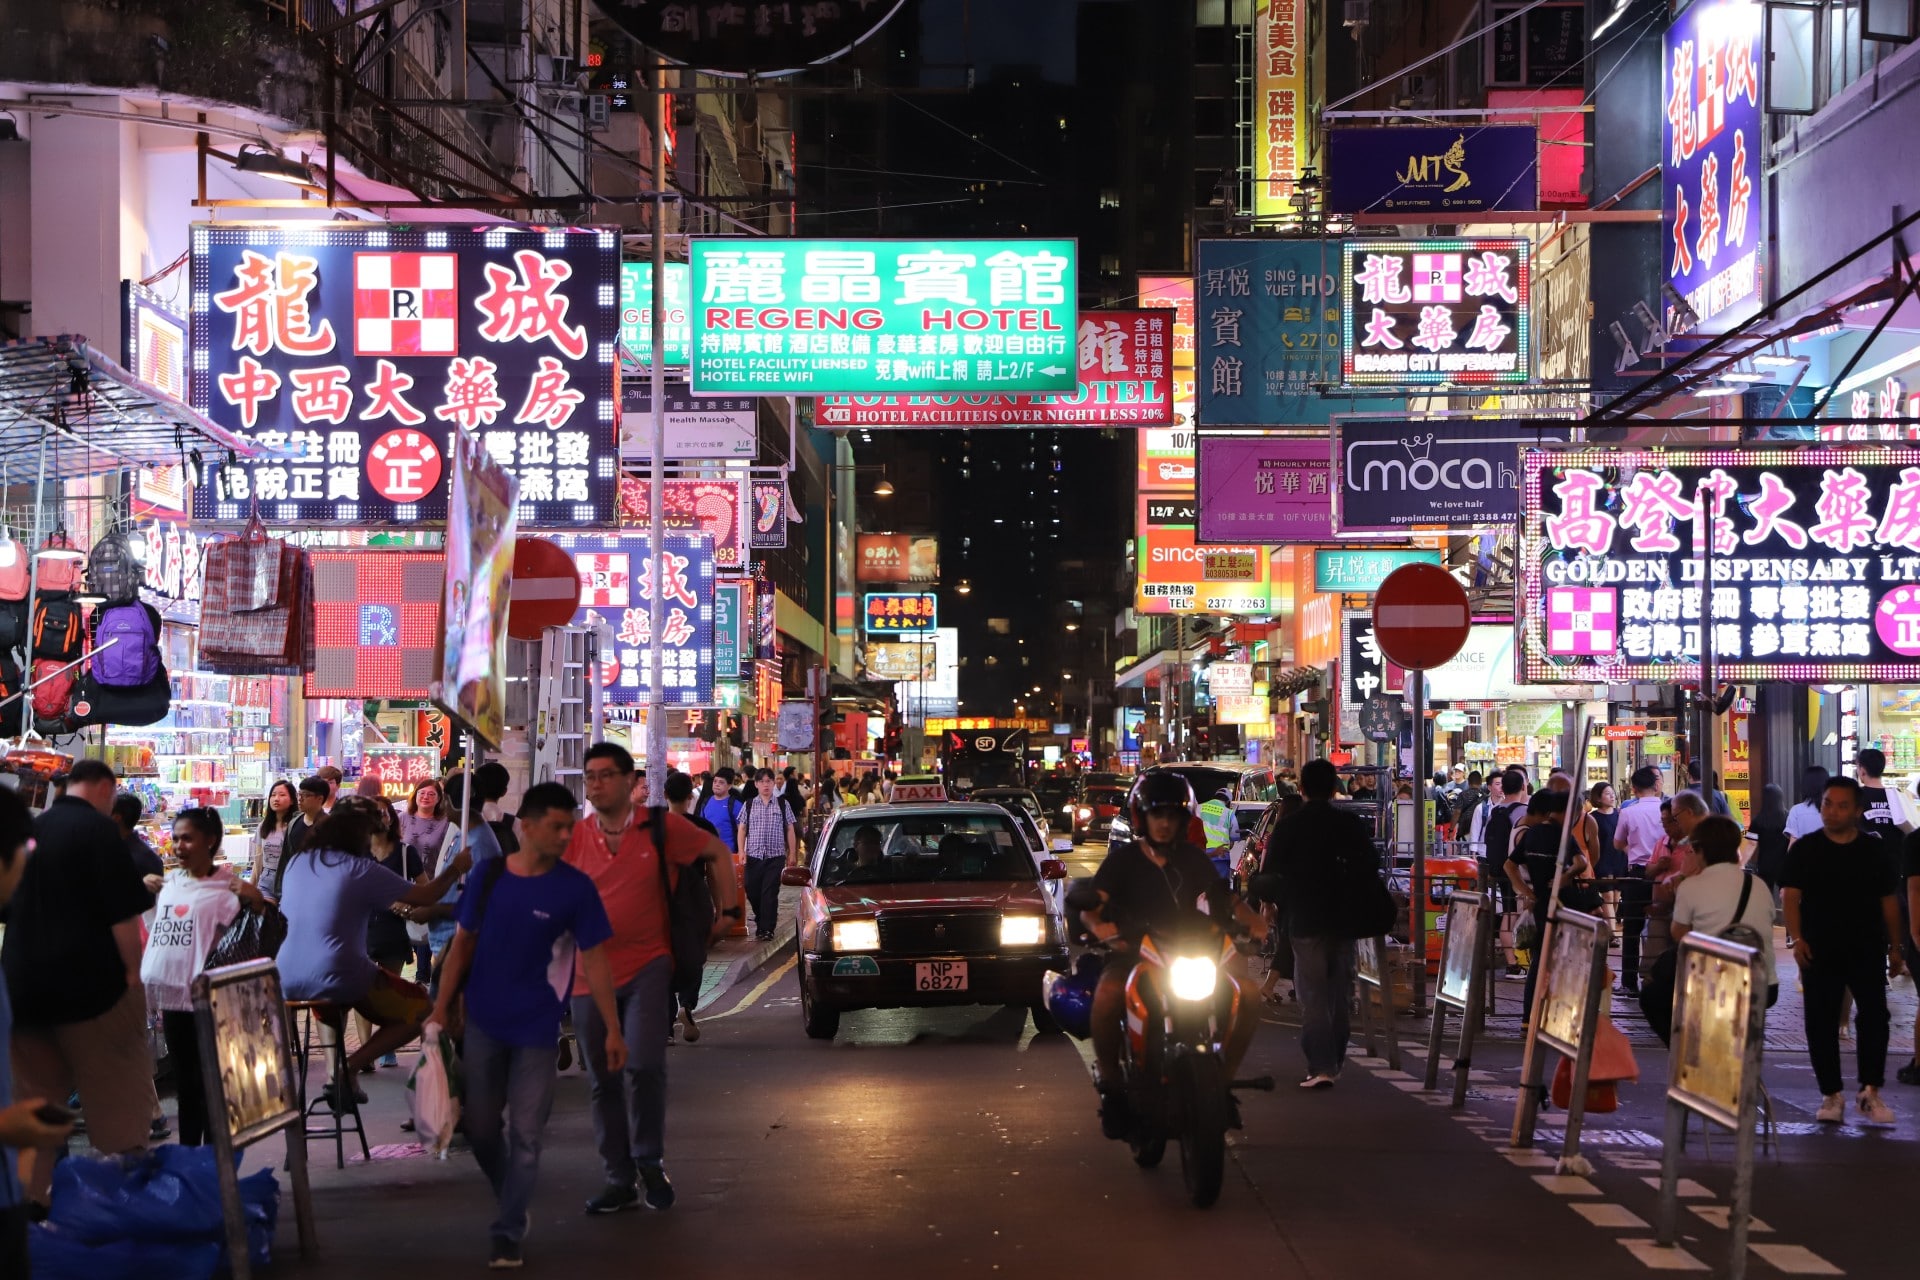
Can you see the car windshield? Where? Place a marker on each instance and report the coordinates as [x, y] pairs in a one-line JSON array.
[[1105, 795], [1022, 798], [926, 849], [1206, 783]]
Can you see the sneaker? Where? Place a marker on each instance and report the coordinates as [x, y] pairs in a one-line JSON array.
[[613, 1198], [1116, 1117], [505, 1255], [1909, 1074], [391, 1060], [1833, 1109], [159, 1130], [689, 1026], [659, 1190], [1873, 1110], [1318, 1080]]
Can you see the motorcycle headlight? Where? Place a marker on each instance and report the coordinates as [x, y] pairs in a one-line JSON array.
[[1022, 931], [1193, 977], [856, 935]]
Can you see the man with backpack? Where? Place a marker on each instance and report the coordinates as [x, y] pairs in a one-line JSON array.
[[1723, 901], [529, 916], [723, 809], [635, 860]]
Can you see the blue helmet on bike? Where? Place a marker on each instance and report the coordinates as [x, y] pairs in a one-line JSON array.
[[1069, 996]]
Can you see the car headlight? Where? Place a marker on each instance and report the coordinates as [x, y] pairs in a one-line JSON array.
[[856, 935], [1085, 814], [1193, 977], [1022, 931]]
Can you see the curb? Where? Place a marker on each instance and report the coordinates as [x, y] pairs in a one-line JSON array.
[[747, 962]]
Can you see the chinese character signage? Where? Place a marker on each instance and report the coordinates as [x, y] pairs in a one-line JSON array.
[[1268, 329], [901, 613], [728, 600], [1479, 168], [1260, 489], [1711, 157], [1175, 574], [1815, 564], [399, 769], [939, 693], [1435, 311], [616, 589], [1126, 379], [1456, 473], [1282, 110], [1361, 570], [828, 317], [716, 508], [1175, 294], [903, 660], [1166, 460], [697, 427], [351, 352], [376, 623], [636, 311], [1364, 669], [896, 557]]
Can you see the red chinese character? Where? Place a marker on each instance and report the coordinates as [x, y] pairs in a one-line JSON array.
[[1845, 524], [249, 388], [1900, 525], [385, 396], [1742, 79], [322, 395], [676, 632], [525, 307], [270, 306], [1682, 256], [1709, 242], [473, 394], [549, 398], [675, 573]]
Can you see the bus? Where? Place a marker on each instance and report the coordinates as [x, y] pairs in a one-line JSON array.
[[972, 758]]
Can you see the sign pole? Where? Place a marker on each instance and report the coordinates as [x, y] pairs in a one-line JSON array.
[[656, 755], [1418, 898]]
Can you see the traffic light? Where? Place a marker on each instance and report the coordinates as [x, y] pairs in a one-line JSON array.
[[1202, 738]]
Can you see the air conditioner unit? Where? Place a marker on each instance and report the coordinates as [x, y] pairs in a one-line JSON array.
[[599, 111], [556, 68]]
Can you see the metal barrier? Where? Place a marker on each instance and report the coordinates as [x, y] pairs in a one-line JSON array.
[[246, 1058], [1719, 1030], [1565, 1018], [1375, 983], [1462, 987]]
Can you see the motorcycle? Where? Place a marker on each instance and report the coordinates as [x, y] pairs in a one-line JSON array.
[[1180, 1006]]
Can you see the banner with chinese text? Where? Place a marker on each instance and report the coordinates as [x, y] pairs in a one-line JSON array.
[[1282, 110], [1268, 330], [1815, 564], [1435, 311], [901, 612], [826, 317], [616, 589], [352, 351], [636, 311], [1126, 379], [481, 523], [1712, 151], [1264, 489], [717, 508]]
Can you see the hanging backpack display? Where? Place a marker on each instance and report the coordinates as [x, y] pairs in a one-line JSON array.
[[13, 625], [52, 692], [57, 628], [15, 572], [13, 710], [126, 645], [112, 572], [59, 564]]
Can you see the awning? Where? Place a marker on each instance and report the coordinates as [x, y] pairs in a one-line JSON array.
[[1139, 671], [93, 414], [1284, 684], [373, 196]]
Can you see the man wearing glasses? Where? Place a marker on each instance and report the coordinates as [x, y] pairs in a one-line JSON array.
[[619, 849]]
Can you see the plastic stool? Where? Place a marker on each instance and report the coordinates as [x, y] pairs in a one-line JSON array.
[[345, 1113]]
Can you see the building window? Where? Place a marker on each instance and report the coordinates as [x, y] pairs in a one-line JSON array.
[[1109, 198], [1817, 50], [1109, 264]]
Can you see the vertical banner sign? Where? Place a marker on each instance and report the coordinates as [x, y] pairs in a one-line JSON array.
[[1428, 312], [1268, 329], [353, 352], [1365, 671], [616, 594], [848, 316], [1712, 150], [1264, 489], [727, 602], [481, 524], [1176, 293], [1280, 105], [636, 311], [1126, 379], [769, 515]]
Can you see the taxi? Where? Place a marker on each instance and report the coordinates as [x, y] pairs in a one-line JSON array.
[[924, 903]]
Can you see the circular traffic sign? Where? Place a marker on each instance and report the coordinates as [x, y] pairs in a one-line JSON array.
[[1420, 616], [1381, 717], [545, 591]]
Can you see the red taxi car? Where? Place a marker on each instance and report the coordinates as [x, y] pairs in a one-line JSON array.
[[921, 904]]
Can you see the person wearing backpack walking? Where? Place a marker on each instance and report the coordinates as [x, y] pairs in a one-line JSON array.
[[1722, 900]]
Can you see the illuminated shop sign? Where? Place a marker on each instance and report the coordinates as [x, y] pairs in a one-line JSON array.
[[636, 311], [1360, 572], [1712, 148], [853, 316], [1815, 564], [1435, 311], [1282, 104], [616, 591], [717, 508], [349, 353], [902, 613], [1461, 473]]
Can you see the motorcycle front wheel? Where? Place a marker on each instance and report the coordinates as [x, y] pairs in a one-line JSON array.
[[1203, 1136], [1148, 1152]]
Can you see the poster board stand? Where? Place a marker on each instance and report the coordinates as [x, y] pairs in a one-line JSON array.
[[1461, 987], [1565, 1018], [1719, 1032], [1376, 997], [246, 1060]]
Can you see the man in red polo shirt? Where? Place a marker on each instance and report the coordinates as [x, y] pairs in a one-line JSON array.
[[615, 847]]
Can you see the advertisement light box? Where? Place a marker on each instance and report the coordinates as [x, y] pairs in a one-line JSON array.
[[1427, 312]]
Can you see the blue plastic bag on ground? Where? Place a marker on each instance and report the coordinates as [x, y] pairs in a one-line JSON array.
[[59, 1255], [168, 1196]]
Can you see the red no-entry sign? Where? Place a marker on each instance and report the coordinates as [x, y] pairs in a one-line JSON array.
[[1420, 616], [546, 588]]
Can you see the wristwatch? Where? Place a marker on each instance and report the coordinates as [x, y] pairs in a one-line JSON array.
[[737, 913]]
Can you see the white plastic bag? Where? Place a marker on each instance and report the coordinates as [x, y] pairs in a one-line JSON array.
[[430, 1091]]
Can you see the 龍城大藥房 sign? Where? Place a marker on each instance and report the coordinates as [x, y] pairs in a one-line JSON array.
[[1435, 311], [1712, 155]]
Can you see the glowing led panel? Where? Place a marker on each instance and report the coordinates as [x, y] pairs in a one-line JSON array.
[[1428, 312]]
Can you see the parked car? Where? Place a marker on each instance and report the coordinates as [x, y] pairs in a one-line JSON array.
[[1017, 798], [1099, 808], [1249, 783]]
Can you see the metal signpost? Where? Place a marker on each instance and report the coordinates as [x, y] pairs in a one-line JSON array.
[[246, 1060], [1719, 1031], [1462, 987], [1565, 1018], [1370, 971]]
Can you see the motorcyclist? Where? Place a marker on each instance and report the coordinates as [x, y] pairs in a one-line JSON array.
[[1157, 881], [1222, 828]]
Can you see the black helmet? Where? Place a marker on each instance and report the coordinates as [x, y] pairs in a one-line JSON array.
[[1160, 789]]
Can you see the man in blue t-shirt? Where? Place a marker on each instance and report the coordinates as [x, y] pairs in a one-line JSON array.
[[723, 811], [522, 919]]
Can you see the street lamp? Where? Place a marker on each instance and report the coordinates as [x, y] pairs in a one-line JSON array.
[[884, 489], [963, 587], [1073, 626]]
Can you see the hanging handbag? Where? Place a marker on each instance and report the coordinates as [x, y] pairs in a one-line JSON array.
[[690, 913], [254, 935]]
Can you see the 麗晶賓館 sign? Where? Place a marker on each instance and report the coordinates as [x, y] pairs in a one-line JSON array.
[[875, 316], [1815, 564]]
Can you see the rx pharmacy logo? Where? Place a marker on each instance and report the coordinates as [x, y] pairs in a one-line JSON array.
[[406, 304], [1582, 622], [379, 627]]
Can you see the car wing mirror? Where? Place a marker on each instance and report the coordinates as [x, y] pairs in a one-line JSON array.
[[798, 876], [1053, 869]]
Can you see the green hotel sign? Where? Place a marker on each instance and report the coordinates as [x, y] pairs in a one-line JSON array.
[[636, 310], [846, 317], [1360, 570]]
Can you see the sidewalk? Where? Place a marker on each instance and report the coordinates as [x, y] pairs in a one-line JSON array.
[[732, 959]]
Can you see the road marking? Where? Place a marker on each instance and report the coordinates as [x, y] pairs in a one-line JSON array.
[[1796, 1260], [1716, 1215], [1609, 1215], [1566, 1184], [1530, 1160], [1658, 1257], [753, 995], [1689, 1189]]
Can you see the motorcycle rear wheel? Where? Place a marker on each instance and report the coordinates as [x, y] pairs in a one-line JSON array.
[[1203, 1138]]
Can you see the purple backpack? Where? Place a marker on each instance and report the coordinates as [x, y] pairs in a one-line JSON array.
[[135, 661]]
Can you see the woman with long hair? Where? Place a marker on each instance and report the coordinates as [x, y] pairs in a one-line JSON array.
[[424, 824], [1769, 828], [387, 940], [283, 805]]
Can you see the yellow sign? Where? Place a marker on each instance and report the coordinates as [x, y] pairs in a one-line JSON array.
[[1281, 109], [941, 724], [1236, 565]]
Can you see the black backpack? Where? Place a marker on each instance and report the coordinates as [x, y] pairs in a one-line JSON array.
[[57, 628], [690, 910]]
